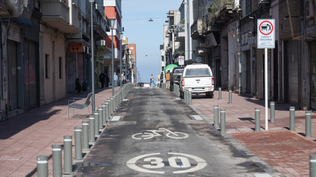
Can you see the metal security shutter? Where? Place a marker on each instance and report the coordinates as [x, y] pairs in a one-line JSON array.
[[313, 75], [12, 75], [291, 72], [218, 73], [30, 96]]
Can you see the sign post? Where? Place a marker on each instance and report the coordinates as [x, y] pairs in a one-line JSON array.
[[265, 40], [181, 60]]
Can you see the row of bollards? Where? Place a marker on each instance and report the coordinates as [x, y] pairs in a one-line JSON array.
[[176, 89], [187, 97], [222, 118], [83, 135]]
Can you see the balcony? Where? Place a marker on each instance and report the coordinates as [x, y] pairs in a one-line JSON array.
[[99, 25], [197, 28], [221, 13], [180, 33], [61, 14], [99, 6]]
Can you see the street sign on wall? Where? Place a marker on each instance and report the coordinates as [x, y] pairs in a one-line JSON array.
[[181, 60], [265, 34], [75, 47]]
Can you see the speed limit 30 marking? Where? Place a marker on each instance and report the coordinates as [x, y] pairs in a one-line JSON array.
[[177, 161]]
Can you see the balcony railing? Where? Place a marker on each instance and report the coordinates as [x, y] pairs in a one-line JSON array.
[[99, 25], [61, 14], [222, 11], [99, 6], [180, 33]]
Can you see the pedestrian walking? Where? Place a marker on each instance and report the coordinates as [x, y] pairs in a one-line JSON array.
[[106, 78], [84, 86], [123, 77], [102, 79], [127, 77], [161, 78], [168, 80], [78, 86], [115, 79], [152, 80]]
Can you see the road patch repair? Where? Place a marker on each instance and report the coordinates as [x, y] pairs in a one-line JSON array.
[[196, 117], [115, 118]]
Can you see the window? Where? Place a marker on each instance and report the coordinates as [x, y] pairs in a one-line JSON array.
[[197, 72], [248, 6], [178, 70], [46, 66], [60, 68], [162, 58]]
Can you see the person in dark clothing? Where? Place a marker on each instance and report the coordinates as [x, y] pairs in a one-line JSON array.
[[102, 79], [106, 79], [78, 85], [84, 86], [161, 78]]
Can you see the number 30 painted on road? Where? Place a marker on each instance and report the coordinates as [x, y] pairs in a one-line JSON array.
[[157, 162]]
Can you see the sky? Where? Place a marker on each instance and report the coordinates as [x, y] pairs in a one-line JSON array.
[[148, 36]]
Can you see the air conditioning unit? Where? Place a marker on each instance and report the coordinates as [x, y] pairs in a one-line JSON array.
[[102, 42], [85, 49], [309, 10]]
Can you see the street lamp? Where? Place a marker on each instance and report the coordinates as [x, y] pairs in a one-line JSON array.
[[121, 37], [112, 23], [92, 57]]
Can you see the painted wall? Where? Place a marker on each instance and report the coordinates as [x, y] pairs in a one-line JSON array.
[[111, 12], [52, 44]]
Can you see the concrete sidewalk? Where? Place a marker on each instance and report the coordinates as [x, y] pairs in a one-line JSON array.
[[28, 135], [287, 151]]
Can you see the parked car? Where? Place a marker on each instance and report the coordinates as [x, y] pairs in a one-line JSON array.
[[175, 76], [197, 78], [146, 84]]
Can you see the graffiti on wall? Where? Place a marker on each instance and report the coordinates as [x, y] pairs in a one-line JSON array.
[[29, 75]]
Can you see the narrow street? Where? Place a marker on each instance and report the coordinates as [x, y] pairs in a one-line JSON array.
[[157, 135]]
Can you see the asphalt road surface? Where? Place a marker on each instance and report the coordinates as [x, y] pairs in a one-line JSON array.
[[157, 136]]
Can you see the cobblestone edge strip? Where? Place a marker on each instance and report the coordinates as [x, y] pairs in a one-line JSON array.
[[262, 164]]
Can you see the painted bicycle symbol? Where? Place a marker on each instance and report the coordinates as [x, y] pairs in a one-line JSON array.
[[148, 134]]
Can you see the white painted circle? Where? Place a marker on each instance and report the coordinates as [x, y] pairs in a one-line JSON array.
[[177, 135], [145, 136], [157, 163]]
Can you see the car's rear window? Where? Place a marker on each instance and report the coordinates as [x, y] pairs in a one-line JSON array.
[[193, 72], [178, 71]]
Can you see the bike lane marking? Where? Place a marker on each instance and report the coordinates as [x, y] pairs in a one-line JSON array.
[[152, 133]]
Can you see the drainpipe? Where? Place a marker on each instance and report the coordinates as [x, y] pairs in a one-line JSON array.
[[186, 20], [173, 44], [283, 70], [70, 11], [190, 23], [1, 55]]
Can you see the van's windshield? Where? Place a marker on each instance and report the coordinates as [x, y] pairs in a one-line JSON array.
[[194, 72]]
